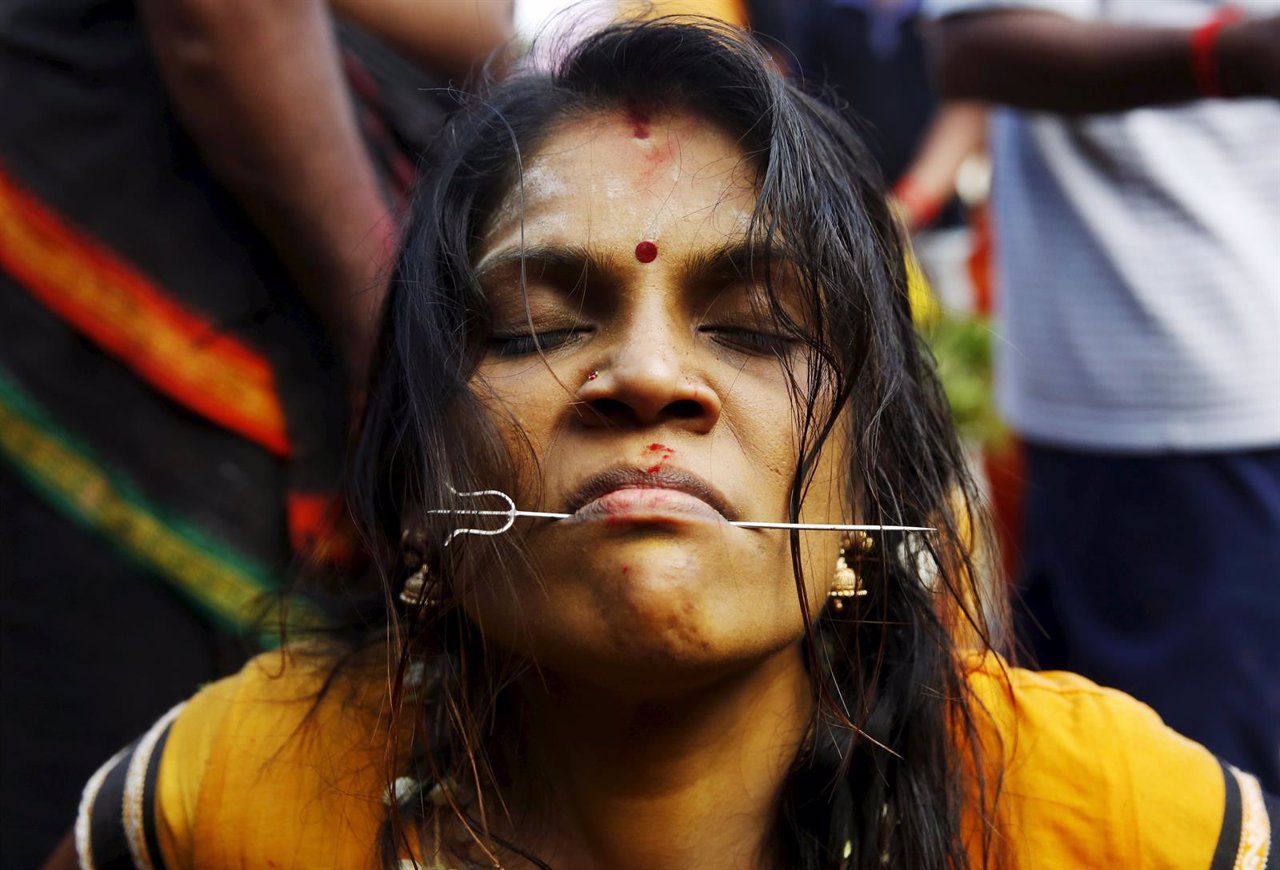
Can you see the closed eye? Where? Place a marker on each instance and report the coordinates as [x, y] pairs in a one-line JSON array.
[[523, 344], [751, 341]]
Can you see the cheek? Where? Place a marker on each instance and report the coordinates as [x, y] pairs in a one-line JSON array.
[[826, 502], [524, 418], [765, 423], [826, 498]]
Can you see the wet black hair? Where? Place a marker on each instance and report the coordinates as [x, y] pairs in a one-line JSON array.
[[893, 759]]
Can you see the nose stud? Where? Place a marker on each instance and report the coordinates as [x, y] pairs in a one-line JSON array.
[[594, 374]]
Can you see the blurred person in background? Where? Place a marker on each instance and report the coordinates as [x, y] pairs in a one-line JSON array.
[[196, 201], [871, 54], [1137, 214]]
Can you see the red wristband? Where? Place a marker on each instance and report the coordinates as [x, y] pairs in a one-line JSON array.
[[920, 206], [1204, 56]]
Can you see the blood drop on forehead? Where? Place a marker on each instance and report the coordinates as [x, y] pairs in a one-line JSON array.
[[639, 122]]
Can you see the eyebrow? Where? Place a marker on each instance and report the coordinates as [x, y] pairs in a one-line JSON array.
[[734, 259], [739, 258], [565, 259]]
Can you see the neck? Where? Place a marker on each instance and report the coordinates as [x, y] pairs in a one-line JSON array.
[[686, 781]]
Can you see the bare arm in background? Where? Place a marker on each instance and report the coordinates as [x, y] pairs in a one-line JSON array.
[[957, 131], [446, 35], [259, 87], [1044, 61]]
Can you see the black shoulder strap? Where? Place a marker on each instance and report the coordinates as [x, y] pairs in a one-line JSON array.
[[116, 826], [1250, 821]]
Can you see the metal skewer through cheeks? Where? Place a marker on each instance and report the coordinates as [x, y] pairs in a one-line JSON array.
[[512, 512]]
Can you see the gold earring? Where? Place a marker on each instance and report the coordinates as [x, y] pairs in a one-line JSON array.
[[845, 582], [418, 590]]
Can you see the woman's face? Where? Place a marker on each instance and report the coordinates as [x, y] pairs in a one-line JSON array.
[[657, 410]]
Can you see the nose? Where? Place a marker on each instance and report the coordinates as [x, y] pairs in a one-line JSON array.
[[649, 378]]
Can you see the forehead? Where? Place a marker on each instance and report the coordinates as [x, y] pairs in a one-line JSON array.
[[613, 179]]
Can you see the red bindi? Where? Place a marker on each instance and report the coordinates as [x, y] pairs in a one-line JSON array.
[[646, 252]]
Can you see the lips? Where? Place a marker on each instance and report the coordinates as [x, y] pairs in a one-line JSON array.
[[638, 493]]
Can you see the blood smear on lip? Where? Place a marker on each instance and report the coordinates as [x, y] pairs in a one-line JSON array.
[[646, 252]]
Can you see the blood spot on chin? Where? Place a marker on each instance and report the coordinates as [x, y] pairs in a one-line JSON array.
[[646, 252]]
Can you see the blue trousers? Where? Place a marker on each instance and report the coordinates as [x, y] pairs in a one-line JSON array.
[[1160, 576]]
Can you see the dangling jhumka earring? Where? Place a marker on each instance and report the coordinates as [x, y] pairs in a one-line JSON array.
[[845, 582], [418, 589]]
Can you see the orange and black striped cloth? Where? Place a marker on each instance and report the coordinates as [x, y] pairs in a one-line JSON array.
[[254, 772]]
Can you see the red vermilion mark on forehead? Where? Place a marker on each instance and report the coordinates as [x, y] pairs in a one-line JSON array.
[[646, 252], [639, 122]]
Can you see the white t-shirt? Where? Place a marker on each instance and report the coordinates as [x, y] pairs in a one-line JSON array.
[[1138, 261]]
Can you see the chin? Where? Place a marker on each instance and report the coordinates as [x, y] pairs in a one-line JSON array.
[[656, 639], [653, 616]]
